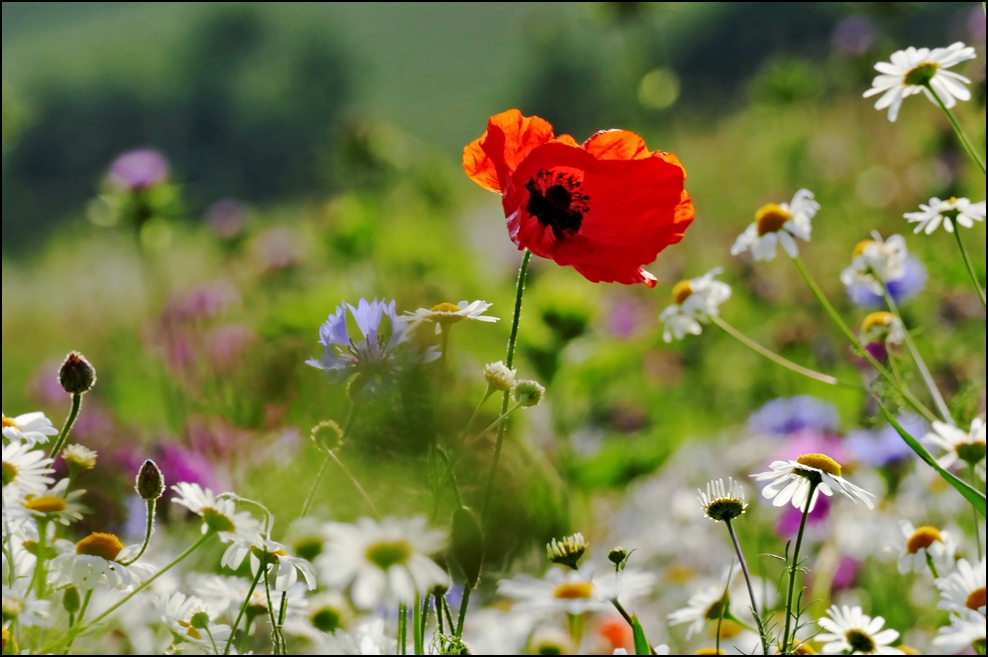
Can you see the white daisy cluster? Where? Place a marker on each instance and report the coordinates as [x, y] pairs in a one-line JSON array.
[[779, 223], [694, 302], [947, 213], [963, 595], [877, 262]]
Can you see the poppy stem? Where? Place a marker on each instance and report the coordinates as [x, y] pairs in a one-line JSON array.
[[509, 361], [970, 267], [961, 135]]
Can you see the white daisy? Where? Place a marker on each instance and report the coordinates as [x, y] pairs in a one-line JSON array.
[[911, 70], [21, 605], [25, 472], [963, 633], [227, 595], [710, 603], [959, 445], [32, 428], [98, 560], [964, 589], [368, 639], [192, 620], [218, 514], [723, 501], [792, 480], [876, 262], [56, 504], [574, 591], [446, 314], [952, 211], [286, 567], [324, 614], [779, 224], [883, 327], [694, 302], [385, 563], [849, 632], [920, 544], [79, 457]]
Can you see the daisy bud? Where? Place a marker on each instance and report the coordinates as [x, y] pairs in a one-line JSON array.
[[327, 436], [567, 552], [619, 557], [499, 377], [71, 602], [79, 458], [468, 544], [528, 393], [150, 482], [199, 620], [77, 376], [440, 589]]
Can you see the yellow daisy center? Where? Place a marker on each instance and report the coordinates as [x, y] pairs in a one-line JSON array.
[[387, 554], [976, 600], [822, 463], [923, 539], [771, 218], [46, 504], [877, 320], [190, 631], [105, 546], [860, 248], [860, 642], [909, 650], [730, 630], [9, 473], [574, 591], [804, 649], [9, 424], [217, 521], [681, 292], [922, 74], [710, 651], [446, 308], [9, 643]]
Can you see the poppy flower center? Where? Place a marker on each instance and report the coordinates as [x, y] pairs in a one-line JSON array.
[[921, 75], [46, 504], [860, 642], [976, 600], [105, 546], [388, 554], [681, 292], [771, 219], [557, 201], [923, 539], [821, 462]]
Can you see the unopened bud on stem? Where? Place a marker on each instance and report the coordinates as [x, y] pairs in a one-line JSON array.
[[150, 482], [77, 376]]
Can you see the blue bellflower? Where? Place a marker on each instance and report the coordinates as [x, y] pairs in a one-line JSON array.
[[910, 285]]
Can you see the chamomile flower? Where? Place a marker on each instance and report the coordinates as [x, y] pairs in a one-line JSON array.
[[964, 589], [218, 514], [79, 458], [97, 560], [876, 262], [711, 603], [25, 472], [371, 638], [568, 551], [694, 302], [910, 70], [850, 632], [792, 481], [227, 595], [723, 502], [384, 562], [779, 223], [31, 429], [285, 567], [882, 327], [952, 211], [447, 314], [960, 446], [324, 614], [56, 504], [192, 620], [574, 591], [964, 632], [922, 544], [21, 605]]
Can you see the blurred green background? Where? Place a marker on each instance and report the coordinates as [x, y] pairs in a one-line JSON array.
[[326, 137]]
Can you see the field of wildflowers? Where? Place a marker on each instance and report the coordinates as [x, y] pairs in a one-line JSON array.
[[740, 409]]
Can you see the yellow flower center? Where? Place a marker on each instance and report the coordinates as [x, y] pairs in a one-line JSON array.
[[448, 317], [105, 546], [388, 554], [710, 651], [877, 320], [9, 424], [804, 649], [446, 308], [681, 292], [217, 521], [976, 600], [730, 630], [574, 591], [860, 248], [922, 74], [46, 504], [860, 642], [821, 462], [909, 650], [771, 219], [10, 646], [9, 473], [190, 631], [923, 539]]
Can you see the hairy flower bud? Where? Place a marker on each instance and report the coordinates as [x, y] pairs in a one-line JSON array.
[[619, 557], [499, 377], [528, 393], [71, 602], [327, 435], [150, 482], [77, 376], [79, 458]]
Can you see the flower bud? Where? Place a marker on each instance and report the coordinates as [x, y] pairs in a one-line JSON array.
[[568, 551], [199, 620], [499, 377], [150, 482], [79, 458], [71, 602], [77, 376], [528, 393], [327, 436], [619, 557]]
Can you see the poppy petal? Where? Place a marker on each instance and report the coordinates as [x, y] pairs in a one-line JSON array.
[[617, 145], [510, 137]]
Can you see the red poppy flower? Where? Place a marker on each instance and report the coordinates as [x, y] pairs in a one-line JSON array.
[[606, 207]]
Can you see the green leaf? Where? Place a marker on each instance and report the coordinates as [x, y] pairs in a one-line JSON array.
[[972, 495], [642, 646]]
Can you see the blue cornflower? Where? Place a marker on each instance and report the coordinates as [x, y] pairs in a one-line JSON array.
[[377, 354], [786, 416], [883, 446], [910, 285]]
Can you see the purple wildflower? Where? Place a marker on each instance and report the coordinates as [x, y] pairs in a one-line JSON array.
[[902, 290], [787, 416], [884, 446], [138, 170], [227, 219]]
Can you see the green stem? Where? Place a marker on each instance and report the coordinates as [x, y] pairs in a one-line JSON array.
[[275, 637], [724, 608], [63, 436], [751, 589], [310, 498], [775, 358], [417, 633], [216, 650], [464, 603], [849, 334], [509, 362], [970, 267], [624, 614], [794, 567], [424, 620], [449, 616], [40, 574], [243, 610], [402, 629], [977, 523], [968, 146], [356, 484], [147, 534], [439, 613], [933, 566], [920, 363], [82, 614]]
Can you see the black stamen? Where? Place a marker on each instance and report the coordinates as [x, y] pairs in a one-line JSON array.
[[557, 200]]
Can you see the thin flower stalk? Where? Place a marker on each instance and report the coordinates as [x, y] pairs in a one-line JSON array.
[[63, 436], [147, 534], [402, 630], [794, 568], [961, 135], [243, 610], [279, 648], [751, 589], [977, 523], [970, 267], [310, 498]]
